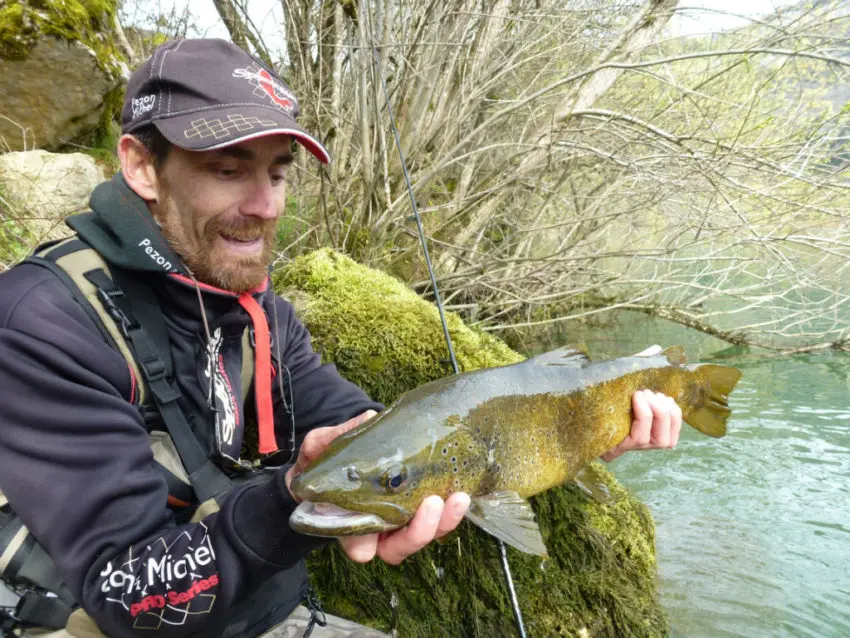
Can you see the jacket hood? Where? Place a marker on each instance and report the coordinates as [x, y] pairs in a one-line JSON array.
[[120, 227]]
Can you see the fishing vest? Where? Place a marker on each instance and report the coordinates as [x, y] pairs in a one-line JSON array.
[[128, 316]]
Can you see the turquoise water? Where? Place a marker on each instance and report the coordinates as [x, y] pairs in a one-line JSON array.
[[753, 530]]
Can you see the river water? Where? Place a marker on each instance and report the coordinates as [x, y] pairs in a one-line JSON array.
[[753, 530]]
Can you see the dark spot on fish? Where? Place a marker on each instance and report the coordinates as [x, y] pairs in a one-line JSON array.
[[457, 443], [454, 459], [455, 469], [465, 462], [445, 451]]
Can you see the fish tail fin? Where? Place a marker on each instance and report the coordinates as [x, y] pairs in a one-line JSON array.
[[716, 382]]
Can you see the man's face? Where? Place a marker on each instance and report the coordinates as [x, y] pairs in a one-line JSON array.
[[219, 209]]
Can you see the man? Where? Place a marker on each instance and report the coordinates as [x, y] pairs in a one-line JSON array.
[[208, 135]]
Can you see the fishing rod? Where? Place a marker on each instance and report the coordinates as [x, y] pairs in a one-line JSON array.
[[503, 555]]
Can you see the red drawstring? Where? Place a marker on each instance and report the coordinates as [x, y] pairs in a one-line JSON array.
[[262, 373]]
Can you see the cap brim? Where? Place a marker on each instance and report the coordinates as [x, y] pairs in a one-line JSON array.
[[218, 128]]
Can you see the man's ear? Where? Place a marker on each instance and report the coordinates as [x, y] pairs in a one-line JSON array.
[[137, 166]]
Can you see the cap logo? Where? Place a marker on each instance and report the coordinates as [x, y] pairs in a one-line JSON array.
[[265, 85], [142, 105]]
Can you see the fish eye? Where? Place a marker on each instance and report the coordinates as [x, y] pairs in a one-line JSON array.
[[352, 473], [395, 478]]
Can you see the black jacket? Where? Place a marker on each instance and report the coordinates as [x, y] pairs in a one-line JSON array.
[[75, 459]]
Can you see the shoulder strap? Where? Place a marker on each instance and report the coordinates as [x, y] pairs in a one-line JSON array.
[[207, 480], [91, 282], [70, 260]]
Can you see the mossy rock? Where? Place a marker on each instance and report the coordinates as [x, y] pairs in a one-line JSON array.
[[23, 24], [600, 577], [61, 73]]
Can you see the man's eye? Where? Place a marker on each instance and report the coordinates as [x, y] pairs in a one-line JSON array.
[[225, 171]]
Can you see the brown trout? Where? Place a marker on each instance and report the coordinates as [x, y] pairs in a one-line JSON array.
[[499, 434]]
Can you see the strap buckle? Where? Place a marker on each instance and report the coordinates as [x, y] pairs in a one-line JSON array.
[[155, 369], [108, 299]]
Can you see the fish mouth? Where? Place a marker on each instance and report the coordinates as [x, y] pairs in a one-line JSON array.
[[324, 519]]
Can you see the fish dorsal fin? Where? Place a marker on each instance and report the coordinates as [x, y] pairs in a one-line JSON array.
[[676, 355], [508, 517], [571, 356], [651, 351]]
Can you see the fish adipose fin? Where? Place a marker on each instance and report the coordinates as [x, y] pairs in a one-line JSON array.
[[709, 417], [572, 356], [508, 517]]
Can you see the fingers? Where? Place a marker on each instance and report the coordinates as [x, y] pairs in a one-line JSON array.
[[433, 519], [456, 507], [353, 422], [360, 549], [656, 424], [318, 439], [421, 530], [675, 424], [659, 431], [398, 545], [642, 408]]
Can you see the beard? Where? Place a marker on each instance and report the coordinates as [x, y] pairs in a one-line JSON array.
[[201, 249]]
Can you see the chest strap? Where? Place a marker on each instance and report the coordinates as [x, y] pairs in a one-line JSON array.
[[208, 481]]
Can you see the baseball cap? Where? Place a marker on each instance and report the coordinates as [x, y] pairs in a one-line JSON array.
[[207, 94]]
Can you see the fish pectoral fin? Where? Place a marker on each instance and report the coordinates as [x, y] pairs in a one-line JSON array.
[[571, 356], [508, 517], [592, 482]]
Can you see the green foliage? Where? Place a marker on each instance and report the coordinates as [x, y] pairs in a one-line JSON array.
[[23, 23], [15, 243], [16, 239], [600, 577]]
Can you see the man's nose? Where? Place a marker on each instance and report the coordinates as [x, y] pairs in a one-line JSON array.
[[261, 200]]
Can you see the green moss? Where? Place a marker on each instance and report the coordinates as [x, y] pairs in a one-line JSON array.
[[382, 334], [600, 577], [87, 21]]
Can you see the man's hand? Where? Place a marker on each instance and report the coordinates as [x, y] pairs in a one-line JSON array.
[[656, 425], [433, 519]]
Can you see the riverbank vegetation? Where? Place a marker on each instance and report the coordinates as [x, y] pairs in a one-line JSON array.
[[574, 157]]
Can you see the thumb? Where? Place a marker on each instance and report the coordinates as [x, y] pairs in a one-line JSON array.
[[317, 440]]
